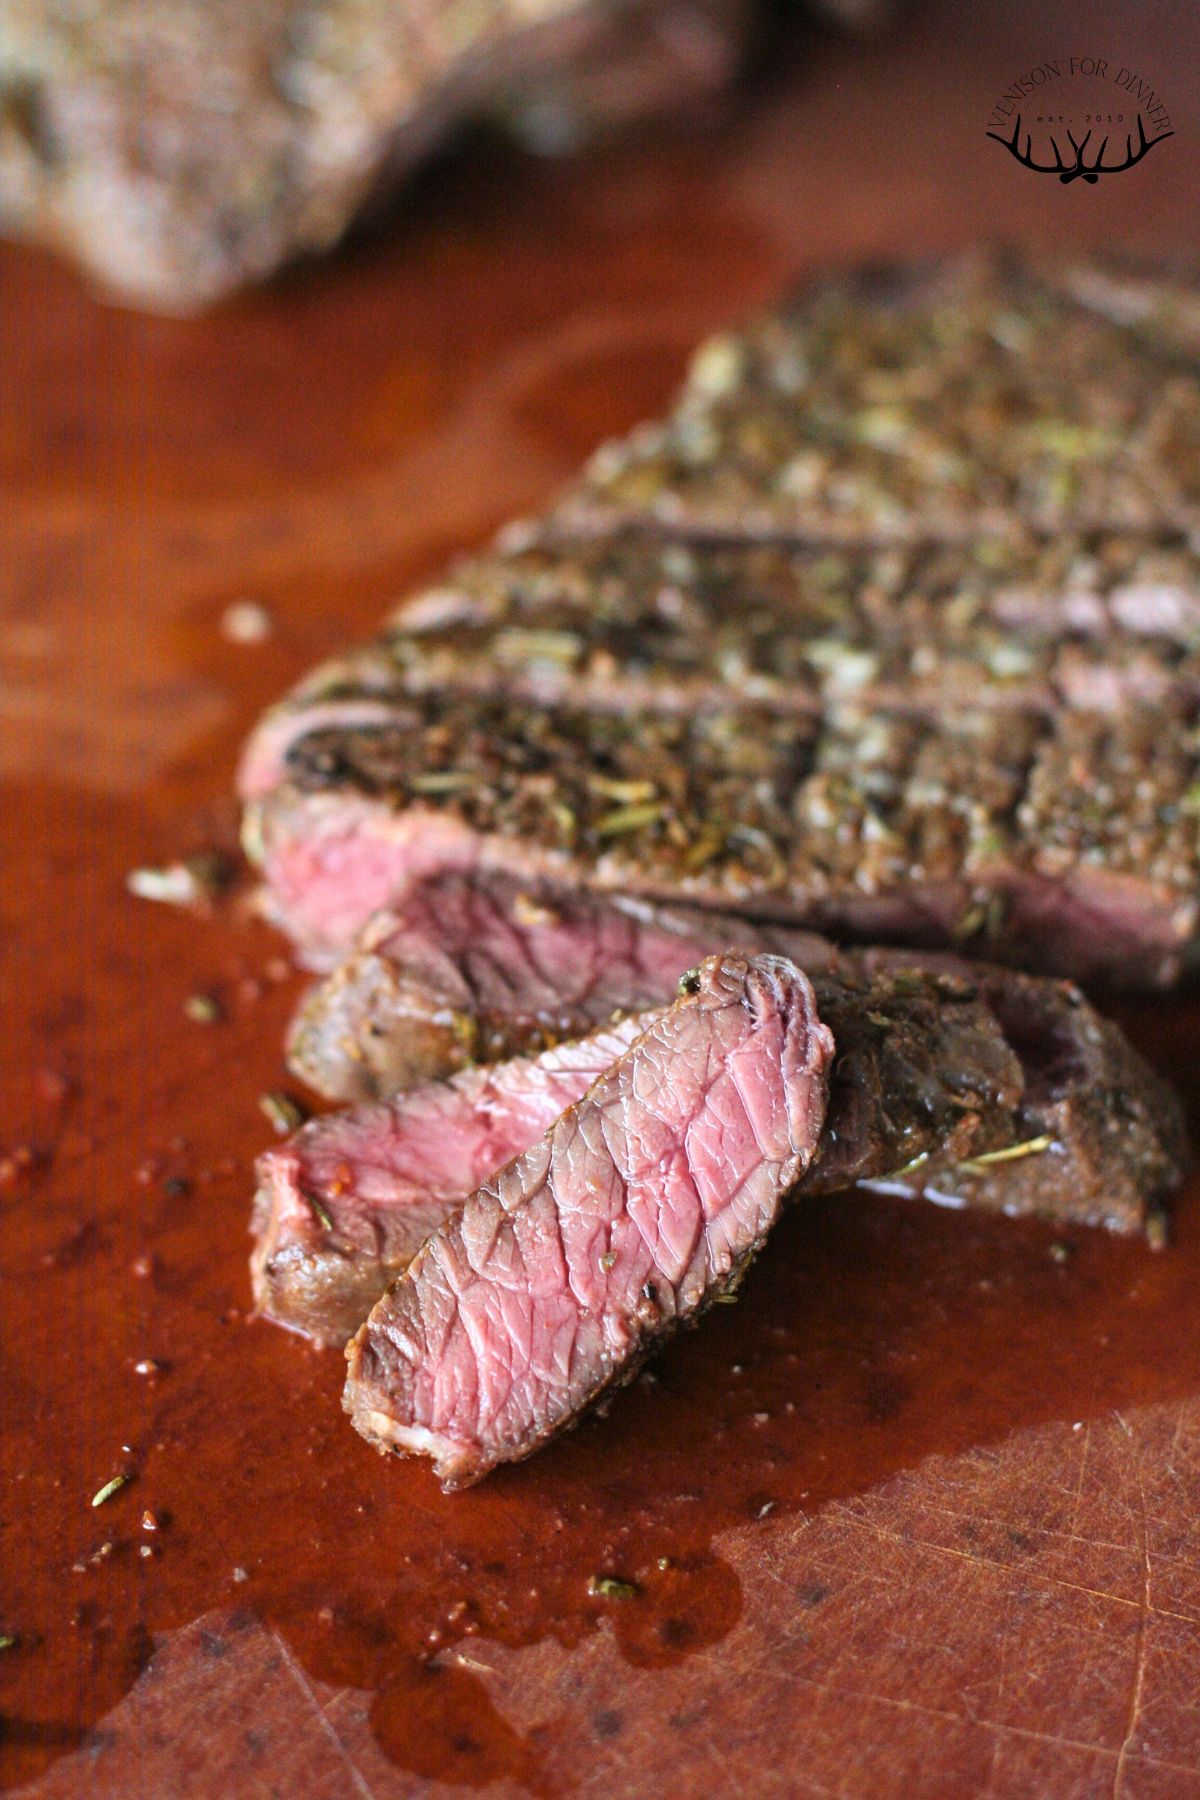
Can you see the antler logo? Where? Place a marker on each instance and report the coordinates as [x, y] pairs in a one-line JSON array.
[[1070, 109], [1080, 170]]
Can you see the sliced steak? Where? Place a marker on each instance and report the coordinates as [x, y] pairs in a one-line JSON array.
[[922, 1075], [475, 969], [631, 623], [1070, 845], [344, 1206], [943, 401], [643, 1203], [971, 722], [953, 1082], [470, 971], [1098, 1137]]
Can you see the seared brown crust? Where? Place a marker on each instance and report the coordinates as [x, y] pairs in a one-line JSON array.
[[674, 687], [630, 623], [926, 402], [1070, 845], [480, 970], [320, 1285], [1103, 1137], [972, 482]]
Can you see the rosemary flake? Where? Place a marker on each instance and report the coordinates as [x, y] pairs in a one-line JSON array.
[[285, 1114], [701, 850], [519, 644], [609, 1587], [627, 792], [319, 1208], [202, 1009], [1158, 1233], [465, 1027], [629, 818], [109, 1489], [528, 911], [971, 923], [441, 781], [908, 1168], [987, 1159]]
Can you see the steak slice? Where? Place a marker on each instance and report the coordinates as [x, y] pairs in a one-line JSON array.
[[346, 1203], [1070, 845], [1097, 1138], [938, 401], [922, 1077], [956, 1083], [486, 970], [643, 1203], [922, 1073], [469, 971], [633, 623]]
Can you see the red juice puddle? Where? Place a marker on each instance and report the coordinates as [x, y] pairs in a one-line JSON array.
[[869, 1335]]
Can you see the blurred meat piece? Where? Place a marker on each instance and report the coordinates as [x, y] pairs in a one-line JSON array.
[[181, 149]]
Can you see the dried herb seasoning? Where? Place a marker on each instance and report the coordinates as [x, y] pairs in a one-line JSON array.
[[1078, 621], [284, 1112], [972, 397], [610, 1587], [110, 1488]]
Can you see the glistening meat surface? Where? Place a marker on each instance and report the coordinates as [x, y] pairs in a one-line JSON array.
[[643, 1203], [346, 1203], [1070, 846], [468, 971], [952, 1081], [923, 1078], [889, 630]]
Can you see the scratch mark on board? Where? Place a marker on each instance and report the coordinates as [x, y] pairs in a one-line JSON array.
[[361, 1784], [1139, 1673]]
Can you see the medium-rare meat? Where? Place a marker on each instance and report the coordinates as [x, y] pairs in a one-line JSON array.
[[635, 623], [475, 969], [1003, 1093], [891, 631], [1070, 845], [923, 1079], [346, 1203], [643, 1203], [471, 971], [182, 148], [938, 401]]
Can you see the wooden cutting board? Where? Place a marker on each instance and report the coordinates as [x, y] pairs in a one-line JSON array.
[[919, 1516]]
